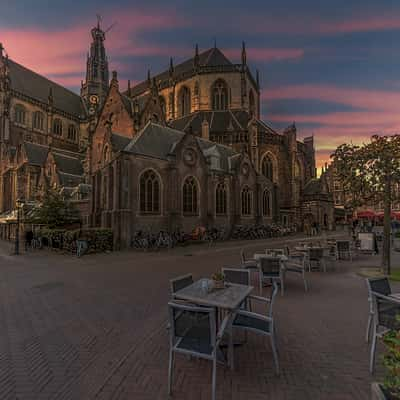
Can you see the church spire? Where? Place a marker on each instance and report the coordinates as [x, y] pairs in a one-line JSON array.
[[244, 55], [196, 59], [95, 87]]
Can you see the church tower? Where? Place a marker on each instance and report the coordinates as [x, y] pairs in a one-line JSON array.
[[95, 87]]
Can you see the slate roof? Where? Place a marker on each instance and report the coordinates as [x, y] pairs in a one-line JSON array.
[[210, 58], [119, 142], [37, 87], [36, 154], [68, 180], [160, 142], [68, 164]]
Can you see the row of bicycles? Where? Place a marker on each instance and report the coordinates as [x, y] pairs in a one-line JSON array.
[[166, 240], [261, 231]]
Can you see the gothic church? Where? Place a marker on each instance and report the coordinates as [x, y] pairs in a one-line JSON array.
[[181, 149]]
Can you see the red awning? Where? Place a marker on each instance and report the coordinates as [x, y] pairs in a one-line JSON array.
[[366, 214], [393, 214]]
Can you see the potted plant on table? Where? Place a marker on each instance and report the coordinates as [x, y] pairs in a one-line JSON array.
[[218, 280], [390, 388]]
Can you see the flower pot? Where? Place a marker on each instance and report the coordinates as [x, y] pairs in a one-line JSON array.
[[218, 284], [377, 392]]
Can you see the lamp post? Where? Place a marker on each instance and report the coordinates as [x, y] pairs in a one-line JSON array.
[[19, 205]]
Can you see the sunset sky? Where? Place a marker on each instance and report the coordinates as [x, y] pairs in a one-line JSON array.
[[333, 67]]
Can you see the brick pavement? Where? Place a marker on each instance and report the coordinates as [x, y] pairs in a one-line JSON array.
[[94, 328]]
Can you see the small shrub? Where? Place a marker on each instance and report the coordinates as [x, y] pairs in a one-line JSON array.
[[391, 361]]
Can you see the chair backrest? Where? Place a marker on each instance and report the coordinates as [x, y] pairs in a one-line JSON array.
[[316, 253], [275, 252], [386, 312], [181, 282], [270, 265], [379, 285], [343, 245], [197, 325], [236, 275]]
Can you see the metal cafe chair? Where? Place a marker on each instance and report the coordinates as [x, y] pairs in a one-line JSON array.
[[385, 311], [344, 250], [270, 268], [377, 285], [316, 256], [260, 323], [297, 263], [180, 282], [250, 263], [193, 333]]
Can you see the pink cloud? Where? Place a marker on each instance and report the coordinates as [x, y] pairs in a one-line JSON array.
[[310, 25], [363, 98], [267, 54], [62, 53]]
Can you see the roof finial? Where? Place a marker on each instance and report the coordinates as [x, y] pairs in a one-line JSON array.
[[148, 77], [244, 55], [215, 42], [196, 56], [50, 97], [129, 88], [258, 78], [171, 66], [98, 21]]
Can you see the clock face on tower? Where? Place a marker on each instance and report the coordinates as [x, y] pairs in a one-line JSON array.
[[93, 99]]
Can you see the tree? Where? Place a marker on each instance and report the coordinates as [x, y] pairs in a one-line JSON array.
[[371, 172], [54, 211]]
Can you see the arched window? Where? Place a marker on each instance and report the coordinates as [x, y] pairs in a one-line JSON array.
[[106, 155], [38, 120], [163, 106], [266, 203], [267, 168], [297, 169], [189, 196], [252, 104], [246, 201], [20, 114], [184, 101], [219, 94], [149, 193], [72, 132], [220, 199], [57, 127]]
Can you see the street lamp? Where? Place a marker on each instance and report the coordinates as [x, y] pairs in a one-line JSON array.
[[20, 204]]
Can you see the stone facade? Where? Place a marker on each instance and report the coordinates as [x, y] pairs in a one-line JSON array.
[[198, 119]]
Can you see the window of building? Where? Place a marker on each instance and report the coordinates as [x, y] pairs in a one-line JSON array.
[[20, 114], [57, 127], [150, 193], [266, 203], [38, 120], [219, 93], [267, 168], [184, 101], [163, 106], [72, 133], [246, 198], [220, 199], [189, 196], [252, 104]]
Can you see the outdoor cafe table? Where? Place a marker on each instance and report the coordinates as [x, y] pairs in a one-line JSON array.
[[228, 298]]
